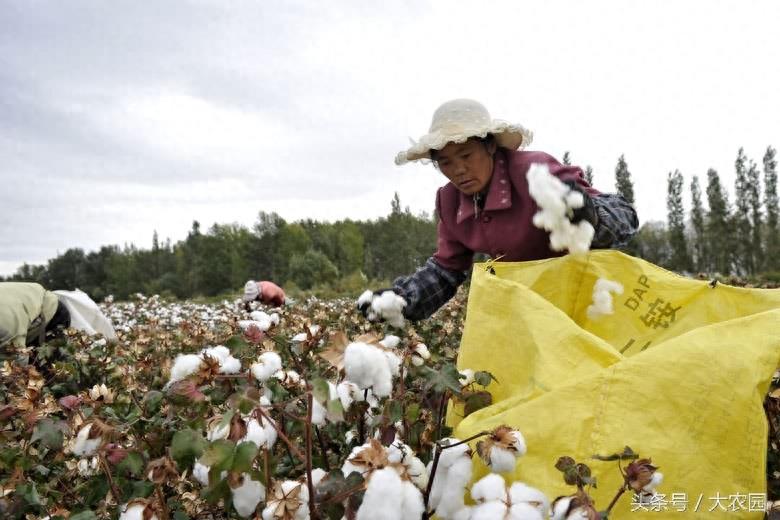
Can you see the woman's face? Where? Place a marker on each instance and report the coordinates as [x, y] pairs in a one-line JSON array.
[[468, 165]]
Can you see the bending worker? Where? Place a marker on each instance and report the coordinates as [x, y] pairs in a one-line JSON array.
[[30, 314], [486, 207]]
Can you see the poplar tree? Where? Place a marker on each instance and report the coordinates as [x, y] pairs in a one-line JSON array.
[[623, 183], [753, 192], [589, 174], [741, 218], [566, 159], [718, 226], [772, 235], [681, 260], [698, 225]]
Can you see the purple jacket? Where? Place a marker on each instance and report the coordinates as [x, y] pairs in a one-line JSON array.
[[504, 227]]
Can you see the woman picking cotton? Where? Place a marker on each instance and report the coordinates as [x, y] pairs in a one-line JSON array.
[[488, 207]]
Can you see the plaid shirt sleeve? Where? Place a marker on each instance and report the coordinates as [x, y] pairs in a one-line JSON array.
[[617, 221], [430, 287]]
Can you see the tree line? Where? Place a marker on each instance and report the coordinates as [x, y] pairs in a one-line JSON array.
[[720, 237], [306, 255]]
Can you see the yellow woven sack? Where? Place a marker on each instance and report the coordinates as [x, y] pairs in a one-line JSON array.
[[678, 372]]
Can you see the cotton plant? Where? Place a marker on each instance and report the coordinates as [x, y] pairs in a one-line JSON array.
[[89, 438], [602, 304], [267, 364], [556, 201], [345, 392], [259, 319], [501, 449], [389, 497], [213, 358], [138, 509], [420, 354], [452, 476], [288, 500], [311, 331], [493, 501], [371, 366], [247, 494]]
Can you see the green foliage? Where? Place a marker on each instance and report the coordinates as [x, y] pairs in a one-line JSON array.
[[186, 446]]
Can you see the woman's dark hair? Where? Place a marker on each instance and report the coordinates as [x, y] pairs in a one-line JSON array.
[[486, 141]]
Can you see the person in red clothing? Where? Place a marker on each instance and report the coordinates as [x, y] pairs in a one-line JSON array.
[[265, 292], [486, 206]]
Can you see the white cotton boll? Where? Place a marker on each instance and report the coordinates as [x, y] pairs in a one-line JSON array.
[[417, 472], [466, 376], [220, 352], [555, 200], [412, 505], [247, 496], [134, 512], [218, 432], [501, 460], [417, 361], [450, 455], [185, 365], [390, 341], [367, 367], [488, 488], [421, 349], [230, 365], [302, 512], [346, 391], [519, 443], [245, 324], [655, 481], [262, 436], [439, 483], [259, 316], [393, 363], [318, 413], [602, 298], [578, 514], [463, 513], [301, 336], [525, 512], [574, 199], [383, 384], [397, 452], [317, 474], [274, 318], [390, 306], [521, 493], [458, 477], [383, 496], [266, 366], [83, 445], [201, 473], [87, 467], [560, 507], [489, 511]]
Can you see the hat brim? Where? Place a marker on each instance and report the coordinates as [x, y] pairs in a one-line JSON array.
[[513, 137]]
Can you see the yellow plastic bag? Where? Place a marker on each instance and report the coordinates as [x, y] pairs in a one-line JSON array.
[[678, 372]]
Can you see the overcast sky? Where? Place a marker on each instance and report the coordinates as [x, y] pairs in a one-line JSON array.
[[124, 117]]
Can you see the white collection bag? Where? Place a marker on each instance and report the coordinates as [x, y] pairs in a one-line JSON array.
[[85, 314]]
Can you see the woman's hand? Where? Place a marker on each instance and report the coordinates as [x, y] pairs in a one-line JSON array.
[[588, 210]]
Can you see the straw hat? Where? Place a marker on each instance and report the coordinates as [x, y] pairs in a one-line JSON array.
[[457, 120]]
